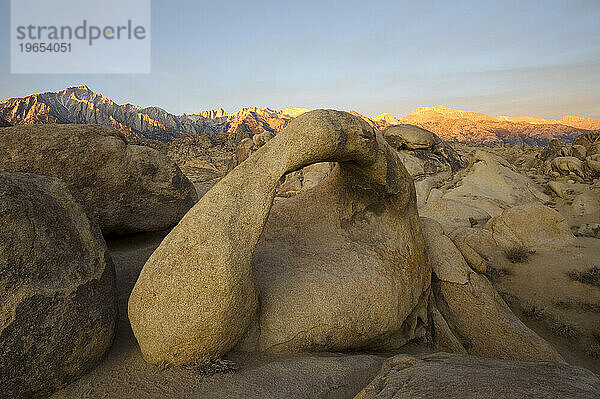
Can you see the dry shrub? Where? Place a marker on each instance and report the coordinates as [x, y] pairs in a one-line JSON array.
[[495, 274], [211, 367], [590, 276], [518, 254]]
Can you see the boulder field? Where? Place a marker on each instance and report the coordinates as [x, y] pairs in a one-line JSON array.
[[330, 236]]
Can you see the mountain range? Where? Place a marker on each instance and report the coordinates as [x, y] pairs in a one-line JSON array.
[[82, 105]]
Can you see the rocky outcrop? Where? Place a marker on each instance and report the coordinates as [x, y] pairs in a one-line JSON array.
[[409, 137], [490, 184], [339, 266], [468, 315], [429, 160], [447, 376], [531, 226], [580, 162], [57, 291], [568, 165], [125, 188]]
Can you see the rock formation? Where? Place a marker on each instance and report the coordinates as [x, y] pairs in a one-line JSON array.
[[339, 266], [484, 189], [125, 188], [446, 376], [580, 162], [429, 160], [531, 226], [468, 315], [57, 291]]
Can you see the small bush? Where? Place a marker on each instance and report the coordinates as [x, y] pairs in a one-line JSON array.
[[533, 312], [590, 276], [564, 330], [517, 254], [494, 274], [208, 368]]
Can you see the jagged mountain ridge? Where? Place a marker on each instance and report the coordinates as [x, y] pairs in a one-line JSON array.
[[82, 105]]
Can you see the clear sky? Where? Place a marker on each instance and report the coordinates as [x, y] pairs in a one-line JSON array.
[[536, 58]]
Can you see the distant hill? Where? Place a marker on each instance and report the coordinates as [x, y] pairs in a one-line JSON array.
[[451, 124], [82, 105]]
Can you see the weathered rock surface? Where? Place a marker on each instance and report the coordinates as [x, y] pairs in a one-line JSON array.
[[491, 184], [447, 376], [58, 311], [593, 165], [429, 160], [568, 165], [577, 161], [350, 269], [468, 314], [452, 213], [531, 226], [409, 137], [125, 188]]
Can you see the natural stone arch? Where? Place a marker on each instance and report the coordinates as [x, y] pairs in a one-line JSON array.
[[196, 295]]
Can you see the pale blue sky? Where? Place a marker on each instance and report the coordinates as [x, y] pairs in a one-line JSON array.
[[537, 58]]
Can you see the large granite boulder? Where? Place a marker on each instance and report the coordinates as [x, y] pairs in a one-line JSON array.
[[447, 376], [454, 213], [587, 139], [531, 226], [410, 137], [592, 164], [125, 188], [568, 165], [339, 266], [57, 287]]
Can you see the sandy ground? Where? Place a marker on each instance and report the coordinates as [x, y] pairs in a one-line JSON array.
[[536, 290], [563, 311], [124, 374]]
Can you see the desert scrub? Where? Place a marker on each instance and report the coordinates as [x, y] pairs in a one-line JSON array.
[[211, 367], [518, 254], [590, 276], [205, 367], [495, 274], [533, 312], [564, 330]]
